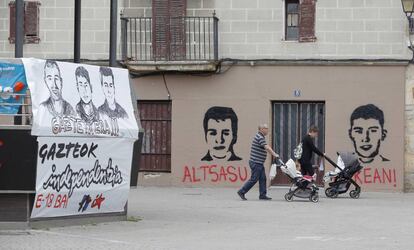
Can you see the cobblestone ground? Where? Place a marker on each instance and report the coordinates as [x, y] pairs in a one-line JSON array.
[[182, 218]]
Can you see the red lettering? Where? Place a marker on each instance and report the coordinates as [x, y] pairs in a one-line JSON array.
[[367, 174], [384, 175], [357, 178], [195, 176], [243, 178], [204, 168], [223, 173], [186, 174], [39, 200], [58, 201], [377, 176], [232, 175], [210, 171], [65, 201]]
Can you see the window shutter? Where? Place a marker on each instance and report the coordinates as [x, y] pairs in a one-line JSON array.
[[31, 22], [12, 22], [160, 29], [178, 9], [307, 9], [168, 30]]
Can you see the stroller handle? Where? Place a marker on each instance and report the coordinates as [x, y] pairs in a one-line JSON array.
[[332, 162]]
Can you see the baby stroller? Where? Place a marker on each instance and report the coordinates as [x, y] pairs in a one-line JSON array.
[[340, 179], [302, 186]]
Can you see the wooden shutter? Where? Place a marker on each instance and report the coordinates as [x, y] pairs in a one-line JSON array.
[[168, 28], [31, 22], [178, 10], [160, 29], [307, 10], [12, 22]]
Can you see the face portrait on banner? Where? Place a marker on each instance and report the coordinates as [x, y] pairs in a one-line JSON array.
[[80, 100]]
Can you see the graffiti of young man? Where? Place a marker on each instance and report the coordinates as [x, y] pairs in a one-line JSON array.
[[367, 132], [220, 132]]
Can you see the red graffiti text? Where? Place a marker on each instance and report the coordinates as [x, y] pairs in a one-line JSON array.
[[370, 175], [214, 173]]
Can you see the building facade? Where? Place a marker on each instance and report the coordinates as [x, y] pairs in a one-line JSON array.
[[207, 72]]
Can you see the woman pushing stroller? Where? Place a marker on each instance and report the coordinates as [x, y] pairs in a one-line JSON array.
[[305, 151]]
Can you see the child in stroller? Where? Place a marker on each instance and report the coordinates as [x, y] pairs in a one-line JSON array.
[[302, 186], [340, 179]]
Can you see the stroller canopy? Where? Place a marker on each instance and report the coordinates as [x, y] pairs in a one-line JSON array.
[[350, 159]]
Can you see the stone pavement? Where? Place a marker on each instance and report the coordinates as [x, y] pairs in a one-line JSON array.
[[207, 218]]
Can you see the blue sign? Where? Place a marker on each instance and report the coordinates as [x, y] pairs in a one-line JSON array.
[[12, 82]]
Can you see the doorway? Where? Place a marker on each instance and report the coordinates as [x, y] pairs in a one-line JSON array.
[[291, 120]]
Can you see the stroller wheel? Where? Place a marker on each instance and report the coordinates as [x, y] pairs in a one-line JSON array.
[[354, 194], [288, 197], [314, 197], [331, 193]]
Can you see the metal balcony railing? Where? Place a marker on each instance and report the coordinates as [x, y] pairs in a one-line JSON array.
[[169, 38], [23, 118]]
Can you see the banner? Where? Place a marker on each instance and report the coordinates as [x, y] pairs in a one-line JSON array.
[[71, 99], [81, 176], [12, 81]]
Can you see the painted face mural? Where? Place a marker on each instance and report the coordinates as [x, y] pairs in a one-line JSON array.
[[367, 132], [220, 131]]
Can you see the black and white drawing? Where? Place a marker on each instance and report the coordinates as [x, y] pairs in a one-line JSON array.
[[55, 104], [367, 132], [220, 132], [85, 108], [110, 107], [67, 99]]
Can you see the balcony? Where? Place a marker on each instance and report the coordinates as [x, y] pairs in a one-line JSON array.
[[185, 44]]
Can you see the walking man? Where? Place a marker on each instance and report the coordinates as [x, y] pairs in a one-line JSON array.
[[308, 148], [258, 155]]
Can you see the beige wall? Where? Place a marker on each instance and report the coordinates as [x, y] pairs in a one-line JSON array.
[[250, 91]]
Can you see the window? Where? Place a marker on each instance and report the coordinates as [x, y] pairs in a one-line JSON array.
[[300, 20], [292, 20], [30, 23], [156, 144]]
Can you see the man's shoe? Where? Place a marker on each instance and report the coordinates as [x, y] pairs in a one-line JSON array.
[[241, 195], [266, 198]]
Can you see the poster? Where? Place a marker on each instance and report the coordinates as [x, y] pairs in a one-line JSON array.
[[80, 100], [12, 86], [78, 176]]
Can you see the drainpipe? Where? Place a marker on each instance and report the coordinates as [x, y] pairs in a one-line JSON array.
[[19, 28], [113, 33]]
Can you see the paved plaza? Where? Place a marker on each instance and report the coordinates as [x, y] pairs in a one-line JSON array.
[[200, 218]]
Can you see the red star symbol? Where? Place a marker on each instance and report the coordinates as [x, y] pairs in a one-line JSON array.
[[97, 202]]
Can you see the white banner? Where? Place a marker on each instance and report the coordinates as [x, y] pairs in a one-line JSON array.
[[82, 176], [71, 99]]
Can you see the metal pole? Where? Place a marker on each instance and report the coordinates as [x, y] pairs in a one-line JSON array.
[[113, 33], [215, 30], [19, 29], [77, 35], [124, 41]]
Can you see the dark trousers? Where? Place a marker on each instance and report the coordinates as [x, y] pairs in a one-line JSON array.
[[307, 169], [258, 174]]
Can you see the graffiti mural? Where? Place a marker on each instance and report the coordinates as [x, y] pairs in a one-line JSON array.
[[367, 132], [220, 164], [220, 132]]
